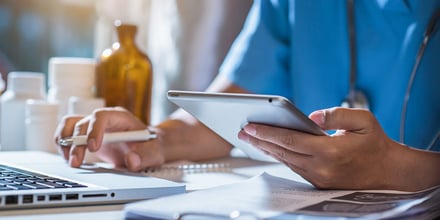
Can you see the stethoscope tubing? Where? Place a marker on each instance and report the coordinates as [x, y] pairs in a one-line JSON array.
[[430, 30]]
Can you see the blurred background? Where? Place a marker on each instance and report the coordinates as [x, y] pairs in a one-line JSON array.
[[32, 31], [186, 40]]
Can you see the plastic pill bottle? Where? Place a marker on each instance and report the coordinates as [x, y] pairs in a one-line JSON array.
[[68, 77], [21, 87]]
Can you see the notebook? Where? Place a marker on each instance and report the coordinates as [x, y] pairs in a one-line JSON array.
[[32, 179]]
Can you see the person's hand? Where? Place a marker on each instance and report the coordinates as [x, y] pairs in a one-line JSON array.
[[180, 137], [130, 154], [359, 155]]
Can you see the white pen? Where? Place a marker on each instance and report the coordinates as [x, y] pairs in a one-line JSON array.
[[124, 136]]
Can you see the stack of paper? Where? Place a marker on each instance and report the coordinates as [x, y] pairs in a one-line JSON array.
[[269, 197]]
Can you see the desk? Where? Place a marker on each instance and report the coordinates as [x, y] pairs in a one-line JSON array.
[[109, 212], [237, 168]]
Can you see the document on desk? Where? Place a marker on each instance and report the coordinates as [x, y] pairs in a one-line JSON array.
[[269, 197]]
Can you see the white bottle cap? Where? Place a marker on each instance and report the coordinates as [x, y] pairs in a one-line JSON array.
[[40, 107], [84, 106], [71, 72], [27, 83]]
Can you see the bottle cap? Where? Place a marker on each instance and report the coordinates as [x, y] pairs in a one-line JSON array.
[[39, 107], [84, 106], [71, 72], [27, 83]]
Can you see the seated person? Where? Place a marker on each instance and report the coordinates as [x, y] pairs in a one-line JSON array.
[[301, 50]]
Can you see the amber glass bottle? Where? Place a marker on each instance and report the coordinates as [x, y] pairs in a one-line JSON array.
[[124, 74]]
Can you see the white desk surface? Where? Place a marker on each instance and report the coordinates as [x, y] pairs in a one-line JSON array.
[[235, 169]]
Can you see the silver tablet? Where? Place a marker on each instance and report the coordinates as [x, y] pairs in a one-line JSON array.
[[227, 113]]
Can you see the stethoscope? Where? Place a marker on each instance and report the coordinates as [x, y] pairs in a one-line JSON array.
[[357, 98]]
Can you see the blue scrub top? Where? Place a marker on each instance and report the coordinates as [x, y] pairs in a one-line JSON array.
[[299, 49]]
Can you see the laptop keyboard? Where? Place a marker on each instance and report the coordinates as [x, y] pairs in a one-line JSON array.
[[12, 178]]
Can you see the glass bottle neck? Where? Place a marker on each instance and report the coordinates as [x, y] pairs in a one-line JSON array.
[[126, 34]]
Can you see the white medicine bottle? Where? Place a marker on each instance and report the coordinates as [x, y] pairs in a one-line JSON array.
[[21, 87], [41, 119], [68, 77]]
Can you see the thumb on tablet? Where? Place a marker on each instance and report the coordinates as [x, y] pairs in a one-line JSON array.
[[342, 118]]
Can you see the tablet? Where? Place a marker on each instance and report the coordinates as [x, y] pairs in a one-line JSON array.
[[227, 113]]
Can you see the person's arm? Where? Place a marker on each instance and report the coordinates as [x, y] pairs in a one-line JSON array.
[[416, 169], [359, 155], [179, 137]]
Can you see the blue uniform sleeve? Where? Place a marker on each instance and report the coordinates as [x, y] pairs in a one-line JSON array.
[[259, 58]]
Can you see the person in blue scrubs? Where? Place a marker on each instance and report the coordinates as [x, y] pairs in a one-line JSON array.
[[301, 50]]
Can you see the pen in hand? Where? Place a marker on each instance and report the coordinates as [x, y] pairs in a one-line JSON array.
[[124, 136]]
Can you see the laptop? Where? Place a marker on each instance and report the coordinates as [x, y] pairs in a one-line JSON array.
[[33, 179]]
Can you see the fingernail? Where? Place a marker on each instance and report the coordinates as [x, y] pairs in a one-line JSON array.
[[250, 129], [73, 161], [92, 145], [134, 160], [321, 118], [243, 136], [318, 117]]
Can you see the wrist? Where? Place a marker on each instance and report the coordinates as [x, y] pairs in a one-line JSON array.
[[183, 137], [168, 139], [412, 169]]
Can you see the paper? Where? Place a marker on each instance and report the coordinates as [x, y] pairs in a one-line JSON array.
[[269, 197], [208, 174]]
